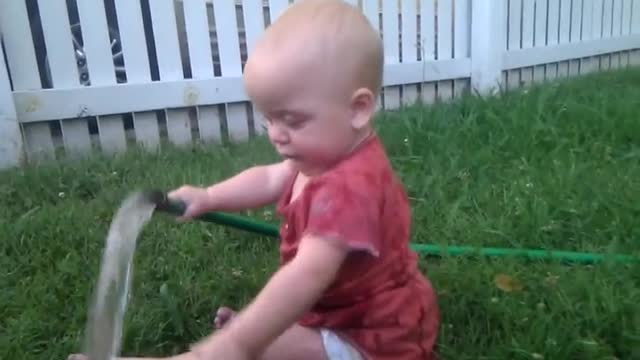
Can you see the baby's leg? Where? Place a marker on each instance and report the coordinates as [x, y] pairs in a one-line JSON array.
[[296, 343]]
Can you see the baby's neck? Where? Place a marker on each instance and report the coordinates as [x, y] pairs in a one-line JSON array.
[[360, 138]]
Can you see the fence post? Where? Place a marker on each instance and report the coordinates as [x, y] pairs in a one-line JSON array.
[[488, 42], [10, 136]]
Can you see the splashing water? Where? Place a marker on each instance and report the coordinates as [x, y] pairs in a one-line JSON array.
[[104, 328]]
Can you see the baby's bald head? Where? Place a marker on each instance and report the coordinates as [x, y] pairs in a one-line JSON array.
[[329, 39]]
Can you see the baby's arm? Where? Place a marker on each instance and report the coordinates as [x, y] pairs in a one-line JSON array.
[[251, 188], [291, 292]]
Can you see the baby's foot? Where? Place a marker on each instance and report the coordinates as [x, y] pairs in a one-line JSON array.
[[223, 316]]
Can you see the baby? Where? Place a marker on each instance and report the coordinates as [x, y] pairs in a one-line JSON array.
[[348, 286]]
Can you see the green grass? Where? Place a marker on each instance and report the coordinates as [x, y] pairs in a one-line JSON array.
[[557, 167]]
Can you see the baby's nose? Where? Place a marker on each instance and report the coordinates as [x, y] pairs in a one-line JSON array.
[[278, 135]]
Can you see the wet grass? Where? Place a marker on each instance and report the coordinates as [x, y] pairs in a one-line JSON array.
[[556, 167]]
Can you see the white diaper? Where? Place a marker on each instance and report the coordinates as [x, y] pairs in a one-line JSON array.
[[337, 348]]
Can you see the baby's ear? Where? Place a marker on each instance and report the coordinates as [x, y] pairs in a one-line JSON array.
[[363, 106]]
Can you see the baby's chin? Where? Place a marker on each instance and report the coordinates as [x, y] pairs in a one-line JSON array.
[[309, 168]]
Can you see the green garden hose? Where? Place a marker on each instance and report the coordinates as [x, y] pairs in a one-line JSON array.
[[176, 208]]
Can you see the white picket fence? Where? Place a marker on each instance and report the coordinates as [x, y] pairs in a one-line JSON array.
[[107, 75]]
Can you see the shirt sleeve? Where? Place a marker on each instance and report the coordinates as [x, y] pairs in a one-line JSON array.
[[347, 211]]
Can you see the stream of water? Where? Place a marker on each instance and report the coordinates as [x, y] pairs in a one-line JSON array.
[[109, 302]]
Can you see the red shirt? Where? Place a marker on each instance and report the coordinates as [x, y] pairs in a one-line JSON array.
[[380, 301]]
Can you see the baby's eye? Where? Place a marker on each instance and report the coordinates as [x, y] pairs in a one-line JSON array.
[[295, 122]]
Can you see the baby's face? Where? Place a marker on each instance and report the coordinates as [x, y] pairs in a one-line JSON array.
[[308, 112]]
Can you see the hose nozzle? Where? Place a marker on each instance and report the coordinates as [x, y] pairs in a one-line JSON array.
[[164, 204]]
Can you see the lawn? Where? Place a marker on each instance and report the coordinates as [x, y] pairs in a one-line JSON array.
[[555, 167]]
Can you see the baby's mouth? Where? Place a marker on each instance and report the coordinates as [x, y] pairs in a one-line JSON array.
[[289, 156]]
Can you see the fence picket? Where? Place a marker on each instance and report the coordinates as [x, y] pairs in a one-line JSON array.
[[627, 8], [59, 44], [615, 61], [586, 64], [197, 29], [61, 55], [21, 56], [607, 19], [96, 42], [112, 135], [199, 41], [166, 39], [616, 30], [528, 26], [409, 46], [617, 18], [540, 26], [97, 46], [22, 65], [75, 134], [597, 28], [164, 25], [390, 37], [598, 17], [607, 31], [528, 17], [444, 10], [11, 142], [146, 128], [540, 36], [564, 35], [575, 33], [634, 56], [134, 49], [38, 141], [254, 27], [428, 45], [178, 126], [565, 22], [553, 34], [513, 39], [209, 122], [230, 65], [133, 39], [462, 48], [635, 17]]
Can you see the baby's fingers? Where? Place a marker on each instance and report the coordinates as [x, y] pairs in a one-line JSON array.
[[192, 211]]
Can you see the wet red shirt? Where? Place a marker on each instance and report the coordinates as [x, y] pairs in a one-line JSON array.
[[380, 301]]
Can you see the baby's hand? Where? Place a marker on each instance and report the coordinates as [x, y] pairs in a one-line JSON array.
[[196, 199]]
